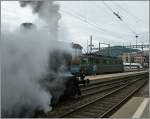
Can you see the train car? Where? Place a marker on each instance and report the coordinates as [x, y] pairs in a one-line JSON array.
[[97, 64], [132, 66]]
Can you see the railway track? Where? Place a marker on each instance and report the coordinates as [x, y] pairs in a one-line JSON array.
[[86, 99], [104, 106], [107, 82], [99, 87]]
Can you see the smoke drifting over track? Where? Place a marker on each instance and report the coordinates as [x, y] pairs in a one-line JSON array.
[[25, 56]]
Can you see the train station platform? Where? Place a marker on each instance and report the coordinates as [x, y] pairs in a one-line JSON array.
[[104, 77], [136, 107]]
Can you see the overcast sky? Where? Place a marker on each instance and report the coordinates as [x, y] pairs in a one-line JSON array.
[[80, 19]]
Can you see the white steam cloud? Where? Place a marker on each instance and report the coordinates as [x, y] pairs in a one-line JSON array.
[[25, 57], [23, 63], [47, 11]]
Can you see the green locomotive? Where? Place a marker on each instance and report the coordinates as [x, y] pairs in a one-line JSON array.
[[96, 64]]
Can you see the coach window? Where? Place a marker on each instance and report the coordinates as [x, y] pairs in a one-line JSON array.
[[85, 60]]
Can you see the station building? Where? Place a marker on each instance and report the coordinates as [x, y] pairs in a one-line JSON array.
[[137, 57]]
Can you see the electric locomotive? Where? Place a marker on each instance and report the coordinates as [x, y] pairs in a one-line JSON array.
[[93, 63]]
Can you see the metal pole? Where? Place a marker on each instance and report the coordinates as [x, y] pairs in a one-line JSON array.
[[91, 44], [136, 39], [136, 42], [109, 50], [87, 47], [142, 55], [99, 46], [142, 47], [130, 55]]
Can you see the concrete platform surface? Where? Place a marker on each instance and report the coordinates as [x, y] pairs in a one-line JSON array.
[[136, 107], [103, 77], [113, 75]]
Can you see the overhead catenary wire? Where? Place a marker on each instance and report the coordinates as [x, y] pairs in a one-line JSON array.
[[138, 20], [74, 14], [116, 14], [97, 26], [120, 18], [117, 17], [130, 28], [110, 9], [106, 11], [83, 19], [134, 17], [131, 14], [143, 33]]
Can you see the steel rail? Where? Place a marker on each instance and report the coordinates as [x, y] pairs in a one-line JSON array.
[[103, 84], [117, 106], [66, 106], [83, 106], [89, 93], [107, 86], [109, 81]]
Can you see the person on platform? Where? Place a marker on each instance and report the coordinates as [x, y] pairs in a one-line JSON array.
[[94, 69]]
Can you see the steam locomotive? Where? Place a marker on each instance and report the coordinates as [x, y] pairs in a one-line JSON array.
[[59, 80]]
